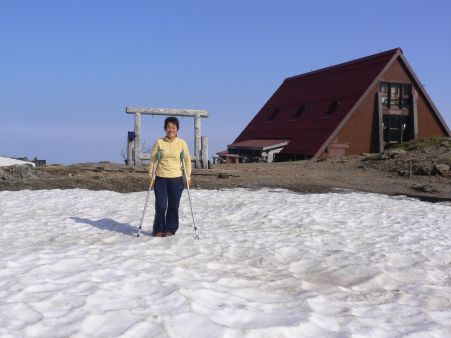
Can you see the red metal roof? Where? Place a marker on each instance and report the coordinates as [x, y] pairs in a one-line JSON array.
[[317, 91], [257, 143]]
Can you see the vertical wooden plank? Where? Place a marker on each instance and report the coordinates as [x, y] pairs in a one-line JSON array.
[[130, 162], [204, 152], [137, 139], [414, 117], [380, 120], [197, 140]]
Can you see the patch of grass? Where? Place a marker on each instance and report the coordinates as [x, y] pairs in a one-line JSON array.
[[420, 143]]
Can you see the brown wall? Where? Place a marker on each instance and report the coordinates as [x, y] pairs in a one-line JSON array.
[[428, 124], [361, 129]]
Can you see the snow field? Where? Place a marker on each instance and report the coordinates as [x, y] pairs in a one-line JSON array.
[[270, 263]]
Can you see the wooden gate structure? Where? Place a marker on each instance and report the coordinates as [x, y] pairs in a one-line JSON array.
[[134, 155]]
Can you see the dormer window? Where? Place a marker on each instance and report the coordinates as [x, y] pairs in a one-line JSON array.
[[332, 108], [297, 114], [272, 116]]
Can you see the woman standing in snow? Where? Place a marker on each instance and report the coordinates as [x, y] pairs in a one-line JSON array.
[[169, 178]]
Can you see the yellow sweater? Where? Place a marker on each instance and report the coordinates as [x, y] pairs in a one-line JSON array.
[[170, 164]]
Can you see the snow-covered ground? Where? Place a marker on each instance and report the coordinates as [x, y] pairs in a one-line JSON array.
[[7, 161], [270, 263]]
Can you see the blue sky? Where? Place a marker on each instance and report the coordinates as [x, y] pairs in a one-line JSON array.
[[69, 68]]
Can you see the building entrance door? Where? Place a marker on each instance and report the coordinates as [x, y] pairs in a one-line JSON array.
[[396, 128]]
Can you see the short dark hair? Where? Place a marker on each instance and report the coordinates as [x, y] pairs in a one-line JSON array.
[[171, 119]]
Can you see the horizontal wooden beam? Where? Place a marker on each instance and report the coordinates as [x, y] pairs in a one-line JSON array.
[[166, 111]]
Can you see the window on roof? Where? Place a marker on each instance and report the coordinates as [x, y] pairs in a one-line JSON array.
[[396, 95], [297, 114], [272, 116], [332, 108]]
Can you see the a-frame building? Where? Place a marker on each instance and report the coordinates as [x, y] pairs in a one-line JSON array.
[[359, 106]]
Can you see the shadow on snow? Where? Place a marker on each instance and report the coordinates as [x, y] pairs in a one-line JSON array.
[[111, 225]]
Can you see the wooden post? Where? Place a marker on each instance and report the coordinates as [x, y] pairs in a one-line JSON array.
[[197, 140], [380, 122], [410, 170], [130, 143], [204, 152], [137, 139]]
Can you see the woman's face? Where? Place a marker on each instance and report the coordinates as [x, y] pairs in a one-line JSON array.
[[171, 130]]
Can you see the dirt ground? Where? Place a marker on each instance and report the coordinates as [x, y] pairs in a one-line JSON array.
[[418, 169]]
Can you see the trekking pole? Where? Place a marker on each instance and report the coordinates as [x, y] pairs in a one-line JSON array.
[[148, 193], [182, 156]]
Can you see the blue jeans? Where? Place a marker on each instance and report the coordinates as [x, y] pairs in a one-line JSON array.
[[168, 191]]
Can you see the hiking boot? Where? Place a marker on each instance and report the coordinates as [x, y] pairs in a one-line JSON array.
[[159, 234], [168, 233]]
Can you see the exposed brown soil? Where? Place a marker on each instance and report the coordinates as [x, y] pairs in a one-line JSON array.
[[417, 169]]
